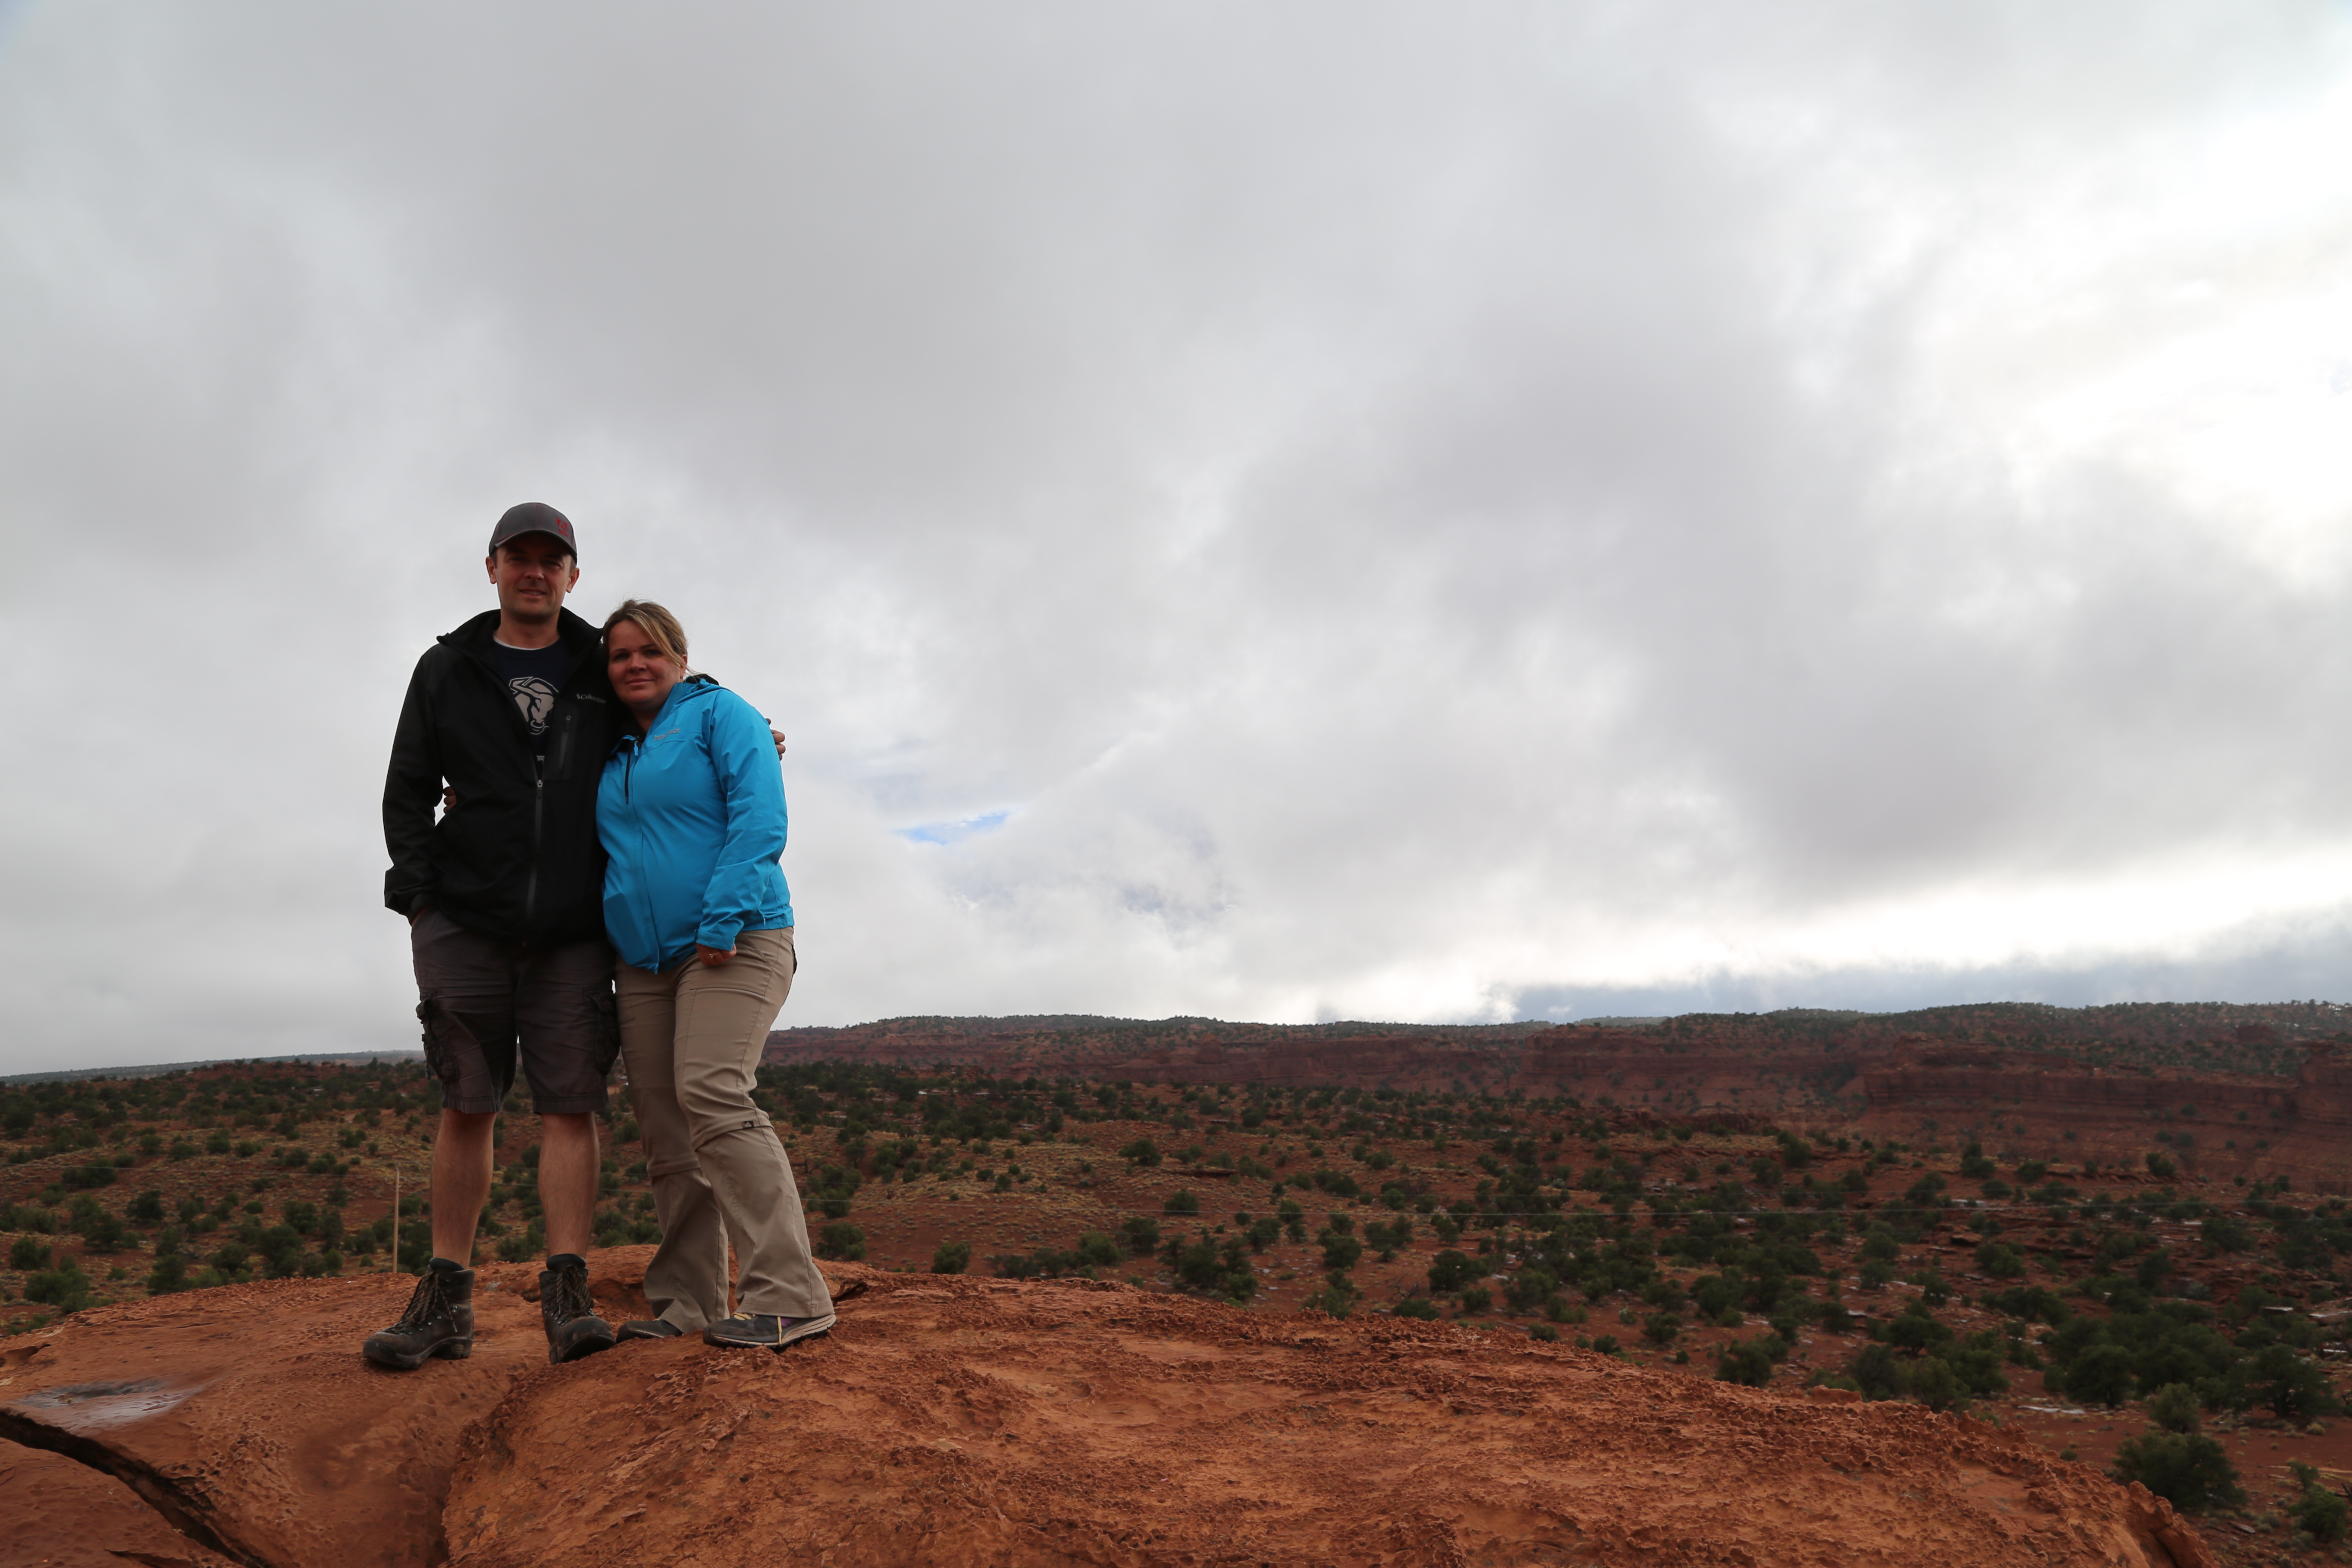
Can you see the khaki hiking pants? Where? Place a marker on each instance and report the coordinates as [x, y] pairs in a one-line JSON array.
[[691, 1038]]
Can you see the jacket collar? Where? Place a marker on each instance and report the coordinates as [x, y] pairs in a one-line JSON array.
[[476, 636]]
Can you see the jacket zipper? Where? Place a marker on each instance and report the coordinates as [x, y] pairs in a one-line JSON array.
[[538, 829]]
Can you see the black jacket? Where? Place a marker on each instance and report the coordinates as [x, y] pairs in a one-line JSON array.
[[518, 859]]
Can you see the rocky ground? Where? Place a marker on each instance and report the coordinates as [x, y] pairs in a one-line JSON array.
[[983, 1421]]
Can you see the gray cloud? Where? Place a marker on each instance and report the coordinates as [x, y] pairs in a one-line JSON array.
[[1408, 514]]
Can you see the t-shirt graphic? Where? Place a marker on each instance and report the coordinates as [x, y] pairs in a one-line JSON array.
[[534, 675]]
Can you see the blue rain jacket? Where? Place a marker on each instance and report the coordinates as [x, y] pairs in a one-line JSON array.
[[692, 817]]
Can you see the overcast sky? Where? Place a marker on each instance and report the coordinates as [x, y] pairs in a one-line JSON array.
[[1271, 510]]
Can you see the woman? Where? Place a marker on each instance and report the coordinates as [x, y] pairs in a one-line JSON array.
[[691, 813]]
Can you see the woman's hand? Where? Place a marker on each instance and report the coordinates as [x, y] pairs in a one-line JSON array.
[[712, 957]]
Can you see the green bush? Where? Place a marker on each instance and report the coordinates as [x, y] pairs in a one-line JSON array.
[[1476, 1298], [1747, 1361], [2100, 1376], [1181, 1202], [66, 1287], [2001, 1260], [1341, 1252], [951, 1258], [841, 1240], [1141, 1233], [2188, 1468], [1142, 1151], [1094, 1248], [1449, 1271], [2317, 1512], [28, 1254], [2174, 1407], [1420, 1307]]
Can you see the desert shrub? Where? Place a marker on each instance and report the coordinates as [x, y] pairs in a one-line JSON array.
[[1915, 1329], [1264, 1232], [66, 1287], [2188, 1469], [2316, 1511], [1476, 1298], [842, 1241], [90, 1175], [1340, 1253], [2161, 1167], [1420, 1307], [1097, 1249], [2031, 1171], [1450, 1271], [1748, 1362], [1934, 1384], [1181, 1202], [1878, 1372], [2100, 1376], [2222, 1234], [28, 1255], [147, 1208], [1388, 1240], [2036, 1303], [2001, 1260], [2293, 1388], [1338, 1296], [1140, 1235], [2174, 1407], [951, 1258], [1662, 1328]]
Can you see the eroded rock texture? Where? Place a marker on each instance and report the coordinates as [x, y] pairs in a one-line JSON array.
[[972, 1421], [985, 1422]]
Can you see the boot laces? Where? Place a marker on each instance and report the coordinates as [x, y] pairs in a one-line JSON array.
[[571, 1299], [428, 1303]]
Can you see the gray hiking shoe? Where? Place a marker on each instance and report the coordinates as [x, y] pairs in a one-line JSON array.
[[760, 1330], [439, 1322], [650, 1328], [573, 1328]]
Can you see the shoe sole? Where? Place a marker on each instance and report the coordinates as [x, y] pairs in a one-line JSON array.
[[642, 1334], [447, 1349], [586, 1346], [814, 1329]]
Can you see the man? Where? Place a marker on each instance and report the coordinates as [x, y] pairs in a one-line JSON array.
[[504, 897]]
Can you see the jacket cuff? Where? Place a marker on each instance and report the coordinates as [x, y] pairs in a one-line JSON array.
[[720, 934]]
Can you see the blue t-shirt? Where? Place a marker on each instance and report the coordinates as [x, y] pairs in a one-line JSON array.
[[534, 675]]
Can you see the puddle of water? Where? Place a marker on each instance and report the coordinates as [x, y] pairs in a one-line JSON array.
[[99, 1407]]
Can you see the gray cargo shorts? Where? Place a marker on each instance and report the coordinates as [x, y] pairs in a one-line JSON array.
[[480, 998]]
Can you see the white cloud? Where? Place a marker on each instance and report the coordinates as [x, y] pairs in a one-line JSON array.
[[1413, 514]]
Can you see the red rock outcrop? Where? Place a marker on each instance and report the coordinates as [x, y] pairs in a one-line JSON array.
[[972, 1421]]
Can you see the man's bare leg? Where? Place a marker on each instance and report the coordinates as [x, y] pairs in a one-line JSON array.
[[567, 1180], [461, 1182]]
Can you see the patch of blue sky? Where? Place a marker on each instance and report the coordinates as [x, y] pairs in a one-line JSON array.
[[955, 832]]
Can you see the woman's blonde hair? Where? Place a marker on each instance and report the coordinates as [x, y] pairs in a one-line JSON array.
[[661, 629]]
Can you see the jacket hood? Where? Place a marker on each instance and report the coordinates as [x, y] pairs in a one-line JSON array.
[[694, 689]]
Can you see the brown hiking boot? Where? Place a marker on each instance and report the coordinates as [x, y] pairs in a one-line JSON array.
[[439, 1322], [573, 1328]]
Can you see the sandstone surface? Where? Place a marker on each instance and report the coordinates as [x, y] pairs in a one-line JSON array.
[[981, 1420]]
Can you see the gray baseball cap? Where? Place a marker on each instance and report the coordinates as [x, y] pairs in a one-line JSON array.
[[534, 517]]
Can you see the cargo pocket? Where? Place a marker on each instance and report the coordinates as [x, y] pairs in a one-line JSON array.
[[605, 1030], [438, 1055]]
